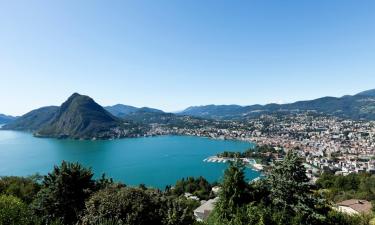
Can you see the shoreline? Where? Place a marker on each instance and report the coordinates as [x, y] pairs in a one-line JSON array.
[[36, 135], [247, 161]]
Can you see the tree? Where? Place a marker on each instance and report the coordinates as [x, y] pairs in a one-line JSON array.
[[199, 187], [233, 193], [129, 206], [13, 211], [178, 211], [64, 192], [290, 191], [24, 188]]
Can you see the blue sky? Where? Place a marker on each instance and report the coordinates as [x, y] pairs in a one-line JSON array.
[[174, 54]]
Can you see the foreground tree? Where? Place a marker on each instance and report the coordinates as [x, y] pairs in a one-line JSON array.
[[137, 206], [13, 211], [291, 193], [178, 211], [234, 193], [24, 188], [64, 192], [129, 206], [199, 187]]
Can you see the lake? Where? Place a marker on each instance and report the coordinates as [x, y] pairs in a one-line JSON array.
[[154, 161]]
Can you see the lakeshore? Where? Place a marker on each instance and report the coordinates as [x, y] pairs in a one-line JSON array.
[[246, 161], [154, 161]]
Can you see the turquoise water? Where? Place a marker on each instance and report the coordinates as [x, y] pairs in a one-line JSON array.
[[154, 161]]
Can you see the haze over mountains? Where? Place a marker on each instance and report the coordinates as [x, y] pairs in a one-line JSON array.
[[81, 117], [6, 119], [359, 106]]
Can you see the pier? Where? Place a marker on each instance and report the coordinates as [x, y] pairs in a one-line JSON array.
[[247, 161]]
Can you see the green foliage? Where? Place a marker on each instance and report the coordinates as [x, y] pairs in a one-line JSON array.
[[69, 195], [24, 188], [337, 218], [64, 192], [290, 191], [339, 188], [178, 211], [137, 206], [199, 187], [130, 206], [13, 211], [233, 193], [103, 182], [264, 153], [283, 198]]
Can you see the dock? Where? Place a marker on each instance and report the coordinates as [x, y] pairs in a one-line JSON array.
[[247, 161]]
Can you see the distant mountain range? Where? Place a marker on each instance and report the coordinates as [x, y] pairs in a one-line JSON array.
[[33, 120], [82, 118], [359, 106], [148, 116], [6, 119], [122, 111]]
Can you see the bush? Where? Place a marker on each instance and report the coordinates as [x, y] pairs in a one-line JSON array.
[[354, 185], [337, 218], [25, 188], [199, 187], [129, 206], [64, 193], [13, 211]]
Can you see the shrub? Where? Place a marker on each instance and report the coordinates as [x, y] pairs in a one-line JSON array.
[[13, 211]]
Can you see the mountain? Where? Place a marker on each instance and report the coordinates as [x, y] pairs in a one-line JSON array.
[[120, 110], [81, 117], [359, 106], [6, 119], [369, 93], [212, 111], [148, 116], [33, 120]]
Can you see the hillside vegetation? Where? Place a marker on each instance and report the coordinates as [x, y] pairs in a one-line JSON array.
[[70, 195]]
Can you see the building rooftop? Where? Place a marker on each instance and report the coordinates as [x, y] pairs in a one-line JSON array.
[[202, 212], [360, 206]]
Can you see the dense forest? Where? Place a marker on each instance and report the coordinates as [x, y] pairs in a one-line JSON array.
[[70, 195]]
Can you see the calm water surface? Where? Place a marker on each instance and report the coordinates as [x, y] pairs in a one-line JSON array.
[[154, 161]]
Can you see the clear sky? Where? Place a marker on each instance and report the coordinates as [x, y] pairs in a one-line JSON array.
[[174, 54]]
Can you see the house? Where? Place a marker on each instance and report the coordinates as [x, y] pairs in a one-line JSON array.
[[190, 196], [354, 206], [202, 212], [216, 190]]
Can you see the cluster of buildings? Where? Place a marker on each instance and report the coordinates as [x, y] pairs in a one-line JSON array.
[[326, 142]]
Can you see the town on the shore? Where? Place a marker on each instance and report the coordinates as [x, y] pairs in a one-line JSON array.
[[326, 143]]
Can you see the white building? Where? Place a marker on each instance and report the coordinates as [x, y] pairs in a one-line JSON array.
[[202, 212]]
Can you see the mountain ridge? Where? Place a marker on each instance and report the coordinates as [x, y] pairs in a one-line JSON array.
[[359, 106], [121, 110], [4, 119], [32, 120], [80, 117]]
